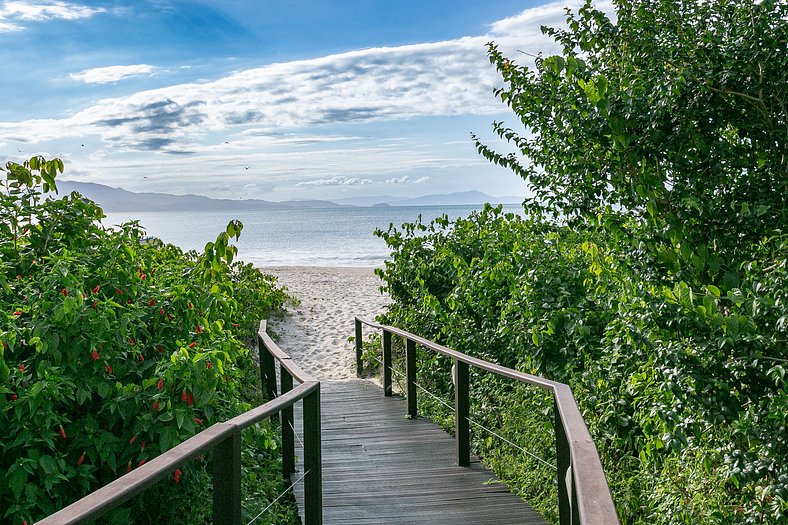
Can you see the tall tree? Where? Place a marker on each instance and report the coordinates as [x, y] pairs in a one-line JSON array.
[[675, 114]]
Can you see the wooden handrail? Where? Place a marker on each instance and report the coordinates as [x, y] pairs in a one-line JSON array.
[[225, 439], [583, 493]]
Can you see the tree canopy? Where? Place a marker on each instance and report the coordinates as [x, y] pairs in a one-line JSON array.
[[675, 114]]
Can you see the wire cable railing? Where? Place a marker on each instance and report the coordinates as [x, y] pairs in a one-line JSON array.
[[472, 421], [583, 492]]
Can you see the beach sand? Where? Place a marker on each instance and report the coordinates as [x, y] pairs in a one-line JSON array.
[[315, 333]]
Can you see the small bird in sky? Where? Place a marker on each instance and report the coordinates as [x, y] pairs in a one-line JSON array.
[[226, 142], [247, 167]]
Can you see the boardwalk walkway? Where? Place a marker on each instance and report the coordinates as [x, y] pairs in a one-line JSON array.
[[379, 467]]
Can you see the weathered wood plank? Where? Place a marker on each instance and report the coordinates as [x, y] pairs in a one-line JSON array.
[[380, 467]]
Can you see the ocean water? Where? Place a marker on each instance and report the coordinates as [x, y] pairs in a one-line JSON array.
[[302, 237]]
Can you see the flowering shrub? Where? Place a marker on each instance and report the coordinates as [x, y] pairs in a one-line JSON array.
[[113, 347]]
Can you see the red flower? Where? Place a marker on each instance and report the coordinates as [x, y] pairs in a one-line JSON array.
[[5, 345], [133, 439], [198, 420], [183, 396], [141, 463], [199, 329], [190, 306], [192, 344], [17, 313], [143, 276], [81, 459], [22, 367], [131, 341], [139, 270], [14, 397], [208, 365], [156, 406], [95, 304], [160, 384], [161, 311], [117, 290], [160, 349], [151, 302], [142, 358], [64, 292], [177, 475], [94, 355], [142, 446], [108, 369], [128, 301], [235, 325], [62, 432], [190, 400], [96, 289]]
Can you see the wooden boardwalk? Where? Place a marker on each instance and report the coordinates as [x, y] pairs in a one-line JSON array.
[[380, 467]]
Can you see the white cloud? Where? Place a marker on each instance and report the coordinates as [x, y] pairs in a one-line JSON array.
[[103, 75], [292, 121], [398, 180], [338, 180], [11, 13]]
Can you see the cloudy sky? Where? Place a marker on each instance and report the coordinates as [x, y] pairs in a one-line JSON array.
[[273, 100]]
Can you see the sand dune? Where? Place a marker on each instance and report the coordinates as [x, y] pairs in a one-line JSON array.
[[315, 333]]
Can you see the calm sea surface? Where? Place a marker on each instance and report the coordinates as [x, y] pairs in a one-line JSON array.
[[304, 237]]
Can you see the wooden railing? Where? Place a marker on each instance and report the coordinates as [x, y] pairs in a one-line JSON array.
[[225, 441], [583, 493]]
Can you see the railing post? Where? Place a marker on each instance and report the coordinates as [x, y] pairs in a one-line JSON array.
[[288, 435], [227, 481], [386, 363], [410, 373], [359, 364], [313, 481], [462, 432], [267, 372], [563, 464]]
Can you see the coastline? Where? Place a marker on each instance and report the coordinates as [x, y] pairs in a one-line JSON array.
[[315, 332]]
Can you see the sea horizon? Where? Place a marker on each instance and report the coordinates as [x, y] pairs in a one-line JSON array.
[[330, 237]]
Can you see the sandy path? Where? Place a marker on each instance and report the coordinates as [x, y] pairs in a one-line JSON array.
[[316, 332]]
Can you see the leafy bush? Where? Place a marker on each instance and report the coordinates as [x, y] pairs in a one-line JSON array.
[[650, 272], [683, 387], [115, 347]]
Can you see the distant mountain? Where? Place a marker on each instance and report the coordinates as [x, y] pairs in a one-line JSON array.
[[120, 200], [436, 199], [369, 201]]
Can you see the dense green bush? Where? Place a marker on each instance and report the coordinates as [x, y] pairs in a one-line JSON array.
[[115, 346], [650, 270], [683, 387]]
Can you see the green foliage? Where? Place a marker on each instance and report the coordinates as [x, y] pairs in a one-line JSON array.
[[683, 387], [115, 346], [674, 113]]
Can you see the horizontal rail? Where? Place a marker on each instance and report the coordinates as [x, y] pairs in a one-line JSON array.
[[225, 438], [583, 492]]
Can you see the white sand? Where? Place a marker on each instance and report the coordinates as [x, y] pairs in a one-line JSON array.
[[315, 333]]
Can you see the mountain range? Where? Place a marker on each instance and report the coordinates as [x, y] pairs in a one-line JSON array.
[[119, 200]]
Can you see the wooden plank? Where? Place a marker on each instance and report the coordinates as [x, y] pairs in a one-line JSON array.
[[381, 467]]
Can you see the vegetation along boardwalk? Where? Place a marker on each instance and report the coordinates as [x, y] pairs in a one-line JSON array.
[[380, 467]]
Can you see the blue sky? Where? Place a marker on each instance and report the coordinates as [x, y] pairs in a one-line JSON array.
[[272, 100]]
